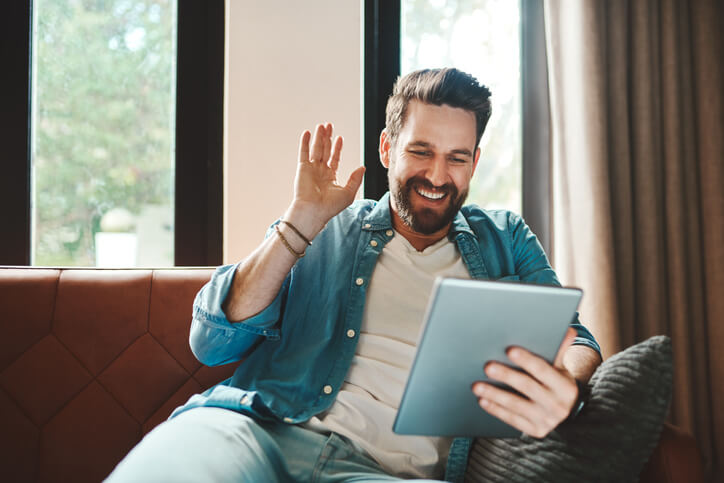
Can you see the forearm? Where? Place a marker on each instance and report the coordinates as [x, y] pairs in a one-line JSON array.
[[317, 198], [581, 361], [259, 278]]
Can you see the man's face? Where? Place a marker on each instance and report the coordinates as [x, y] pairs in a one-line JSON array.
[[430, 165]]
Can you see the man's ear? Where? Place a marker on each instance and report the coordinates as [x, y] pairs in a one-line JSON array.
[[385, 147], [475, 161]]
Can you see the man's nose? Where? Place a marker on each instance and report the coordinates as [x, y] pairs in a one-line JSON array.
[[437, 171]]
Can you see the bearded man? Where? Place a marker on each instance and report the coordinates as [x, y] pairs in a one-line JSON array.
[[325, 314]]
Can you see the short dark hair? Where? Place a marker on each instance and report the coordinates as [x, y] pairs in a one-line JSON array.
[[438, 86]]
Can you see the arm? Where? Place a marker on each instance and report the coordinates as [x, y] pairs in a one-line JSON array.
[[532, 265], [241, 303], [317, 198], [581, 361]]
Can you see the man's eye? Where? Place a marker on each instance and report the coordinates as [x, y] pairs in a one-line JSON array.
[[460, 160], [419, 153]]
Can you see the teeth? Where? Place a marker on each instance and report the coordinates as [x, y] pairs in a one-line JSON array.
[[429, 194]]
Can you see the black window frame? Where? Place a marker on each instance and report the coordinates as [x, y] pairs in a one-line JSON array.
[[382, 67], [198, 230]]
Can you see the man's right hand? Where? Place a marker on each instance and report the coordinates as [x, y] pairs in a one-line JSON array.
[[317, 195]]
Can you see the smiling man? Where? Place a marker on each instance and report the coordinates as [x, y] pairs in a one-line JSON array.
[[431, 160], [325, 314]]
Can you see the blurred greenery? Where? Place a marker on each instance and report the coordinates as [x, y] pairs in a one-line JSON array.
[[104, 110], [104, 99], [481, 37]]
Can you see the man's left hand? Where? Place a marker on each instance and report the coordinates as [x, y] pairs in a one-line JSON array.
[[550, 391]]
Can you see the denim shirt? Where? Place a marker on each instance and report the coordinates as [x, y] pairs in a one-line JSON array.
[[297, 351]]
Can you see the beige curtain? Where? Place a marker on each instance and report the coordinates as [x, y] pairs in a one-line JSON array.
[[637, 152]]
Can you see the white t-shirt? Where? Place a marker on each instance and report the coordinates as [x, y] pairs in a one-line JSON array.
[[367, 403]]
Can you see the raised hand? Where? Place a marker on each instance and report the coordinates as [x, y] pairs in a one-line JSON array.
[[317, 198], [317, 195]]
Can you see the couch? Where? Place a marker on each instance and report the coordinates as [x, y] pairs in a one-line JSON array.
[[93, 359]]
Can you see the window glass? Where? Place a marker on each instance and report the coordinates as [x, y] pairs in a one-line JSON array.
[[103, 127], [481, 37]]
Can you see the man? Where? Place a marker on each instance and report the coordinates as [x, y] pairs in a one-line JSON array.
[[325, 314]]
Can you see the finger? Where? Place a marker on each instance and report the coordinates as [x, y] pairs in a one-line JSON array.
[[552, 378], [520, 381], [327, 145], [554, 400], [507, 406], [304, 147], [507, 416], [354, 181], [567, 342], [508, 399], [317, 144], [336, 153]]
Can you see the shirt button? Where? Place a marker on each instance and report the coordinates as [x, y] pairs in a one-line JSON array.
[[244, 400], [288, 420], [359, 281], [389, 232], [367, 225], [327, 389], [373, 243], [350, 333]]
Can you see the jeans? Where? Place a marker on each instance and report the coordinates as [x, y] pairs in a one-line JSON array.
[[209, 444]]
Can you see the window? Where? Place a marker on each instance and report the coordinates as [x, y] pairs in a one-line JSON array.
[[502, 43], [102, 133], [125, 103], [481, 37]]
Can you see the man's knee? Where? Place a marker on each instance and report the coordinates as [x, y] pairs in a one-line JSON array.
[[202, 444]]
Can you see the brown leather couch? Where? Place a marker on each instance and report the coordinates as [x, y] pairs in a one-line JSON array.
[[91, 360]]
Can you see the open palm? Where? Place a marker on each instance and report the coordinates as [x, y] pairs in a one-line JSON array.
[[315, 185]]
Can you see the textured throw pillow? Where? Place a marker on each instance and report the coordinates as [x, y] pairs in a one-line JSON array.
[[610, 440]]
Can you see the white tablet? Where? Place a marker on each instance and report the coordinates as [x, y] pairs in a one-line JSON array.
[[467, 324]]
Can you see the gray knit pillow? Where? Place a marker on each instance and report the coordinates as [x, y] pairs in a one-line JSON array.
[[610, 440]]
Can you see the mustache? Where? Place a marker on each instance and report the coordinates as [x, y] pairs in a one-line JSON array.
[[419, 181]]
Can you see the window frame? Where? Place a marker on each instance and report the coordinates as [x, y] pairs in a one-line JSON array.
[[198, 211], [382, 67]]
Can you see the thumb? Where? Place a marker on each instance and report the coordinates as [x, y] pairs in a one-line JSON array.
[[567, 342], [355, 180]]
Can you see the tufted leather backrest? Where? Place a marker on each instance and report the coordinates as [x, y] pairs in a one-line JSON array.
[[90, 361]]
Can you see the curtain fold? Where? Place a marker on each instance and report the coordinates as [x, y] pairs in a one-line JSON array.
[[637, 159]]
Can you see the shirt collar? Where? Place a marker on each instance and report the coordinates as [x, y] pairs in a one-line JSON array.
[[460, 225], [380, 218]]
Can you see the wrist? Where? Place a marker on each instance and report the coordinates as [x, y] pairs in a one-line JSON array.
[[584, 394], [305, 218]]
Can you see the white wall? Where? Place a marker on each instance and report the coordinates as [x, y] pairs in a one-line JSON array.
[[291, 64]]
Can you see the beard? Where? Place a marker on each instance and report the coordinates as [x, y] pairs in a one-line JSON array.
[[426, 220]]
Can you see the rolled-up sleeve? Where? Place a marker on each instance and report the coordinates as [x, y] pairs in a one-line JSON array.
[[214, 339], [584, 336]]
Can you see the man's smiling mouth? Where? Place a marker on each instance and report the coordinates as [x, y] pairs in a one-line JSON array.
[[430, 195]]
